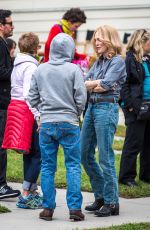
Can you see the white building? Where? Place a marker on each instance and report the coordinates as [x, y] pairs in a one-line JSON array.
[[38, 16]]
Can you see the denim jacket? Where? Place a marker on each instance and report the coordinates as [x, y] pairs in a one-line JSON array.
[[112, 73]]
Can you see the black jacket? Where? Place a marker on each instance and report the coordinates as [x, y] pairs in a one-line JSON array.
[[5, 74], [132, 90]]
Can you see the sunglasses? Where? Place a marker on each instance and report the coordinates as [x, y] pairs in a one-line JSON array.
[[9, 23]]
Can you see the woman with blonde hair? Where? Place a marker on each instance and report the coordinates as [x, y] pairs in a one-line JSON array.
[[104, 81], [135, 91]]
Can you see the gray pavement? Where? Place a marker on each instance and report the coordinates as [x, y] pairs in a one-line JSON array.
[[131, 211], [121, 118]]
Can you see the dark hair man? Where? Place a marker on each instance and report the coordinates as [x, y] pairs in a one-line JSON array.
[[6, 30]]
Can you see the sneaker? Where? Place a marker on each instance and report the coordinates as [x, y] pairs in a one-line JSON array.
[[8, 192], [24, 202], [38, 198], [29, 202]]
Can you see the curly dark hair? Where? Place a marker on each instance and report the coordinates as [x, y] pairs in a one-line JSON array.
[[3, 15], [75, 15]]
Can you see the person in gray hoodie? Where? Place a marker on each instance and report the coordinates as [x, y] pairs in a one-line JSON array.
[[58, 90]]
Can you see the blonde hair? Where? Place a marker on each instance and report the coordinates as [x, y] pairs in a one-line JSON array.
[[111, 40], [28, 43], [135, 43]]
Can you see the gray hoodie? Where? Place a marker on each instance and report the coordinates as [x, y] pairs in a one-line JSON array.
[[57, 87]]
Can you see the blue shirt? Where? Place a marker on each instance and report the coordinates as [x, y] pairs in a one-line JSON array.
[[111, 72], [146, 86]]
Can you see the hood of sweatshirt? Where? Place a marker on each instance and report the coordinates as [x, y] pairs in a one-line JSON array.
[[62, 49], [22, 58]]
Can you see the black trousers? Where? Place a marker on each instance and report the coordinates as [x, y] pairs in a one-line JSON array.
[[137, 141], [3, 154]]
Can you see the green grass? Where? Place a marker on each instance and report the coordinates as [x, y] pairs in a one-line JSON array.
[[142, 190], [118, 145], [139, 226], [120, 131], [4, 209], [15, 173], [15, 167]]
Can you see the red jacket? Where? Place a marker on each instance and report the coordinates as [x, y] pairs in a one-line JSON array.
[[19, 127], [56, 29]]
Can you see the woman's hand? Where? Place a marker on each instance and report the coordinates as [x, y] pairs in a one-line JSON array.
[[94, 86], [90, 85], [131, 109], [38, 124], [99, 89], [38, 128]]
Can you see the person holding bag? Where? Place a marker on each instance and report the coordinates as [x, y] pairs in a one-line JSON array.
[[21, 127], [144, 112], [135, 92]]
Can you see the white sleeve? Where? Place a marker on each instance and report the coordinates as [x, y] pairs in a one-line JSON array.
[[27, 79], [26, 86]]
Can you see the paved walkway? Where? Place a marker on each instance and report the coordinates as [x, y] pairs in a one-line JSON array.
[[121, 118], [131, 211]]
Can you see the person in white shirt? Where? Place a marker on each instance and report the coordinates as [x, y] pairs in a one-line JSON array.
[[21, 126]]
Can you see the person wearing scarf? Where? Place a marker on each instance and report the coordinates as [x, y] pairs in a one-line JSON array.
[[70, 22]]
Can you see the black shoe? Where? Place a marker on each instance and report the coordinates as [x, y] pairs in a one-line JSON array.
[[97, 204], [76, 215], [145, 180], [131, 184], [8, 192], [108, 210]]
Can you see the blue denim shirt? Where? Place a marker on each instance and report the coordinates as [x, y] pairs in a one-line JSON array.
[[112, 73]]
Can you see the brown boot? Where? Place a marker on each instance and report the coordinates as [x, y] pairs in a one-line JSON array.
[[46, 214], [76, 215]]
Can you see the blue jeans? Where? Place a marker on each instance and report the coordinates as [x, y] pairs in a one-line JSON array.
[[98, 128], [32, 163], [68, 135]]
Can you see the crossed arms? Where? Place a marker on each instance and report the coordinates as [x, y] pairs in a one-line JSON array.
[[94, 86]]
